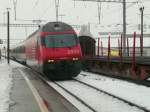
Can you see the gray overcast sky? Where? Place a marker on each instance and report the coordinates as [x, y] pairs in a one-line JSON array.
[[75, 13]]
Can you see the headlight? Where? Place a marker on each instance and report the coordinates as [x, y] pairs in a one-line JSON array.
[[50, 61], [74, 59]]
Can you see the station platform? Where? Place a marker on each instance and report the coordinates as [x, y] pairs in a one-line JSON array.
[[25, 99], [21, 95]]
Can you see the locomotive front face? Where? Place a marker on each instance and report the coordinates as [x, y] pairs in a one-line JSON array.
[[61, 46], [60, 42], [61, 50], [62, 55]]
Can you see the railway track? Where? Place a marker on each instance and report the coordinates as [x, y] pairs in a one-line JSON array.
[[100, 91], [80, 100], [138, 82], [114, 96], [91, 108], [46, 80], [130, 93]]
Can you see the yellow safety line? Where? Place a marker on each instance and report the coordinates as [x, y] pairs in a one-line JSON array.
[[35, 93]]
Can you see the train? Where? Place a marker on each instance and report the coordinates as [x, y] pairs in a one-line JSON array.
[[53, 50], [116, 65]]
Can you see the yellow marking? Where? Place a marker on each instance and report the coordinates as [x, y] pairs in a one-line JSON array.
[[35, 93]]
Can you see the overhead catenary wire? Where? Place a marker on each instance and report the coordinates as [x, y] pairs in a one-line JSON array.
[[36, 3], [108, 1], [44, 13], [84, 3], [57, 8], [99, 4], [112, 1], [74, 3], [128, 6], [15, 8]]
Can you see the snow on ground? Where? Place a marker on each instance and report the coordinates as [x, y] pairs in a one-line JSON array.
[[137, 94], [99, 101], [81, 107], [5, 85]]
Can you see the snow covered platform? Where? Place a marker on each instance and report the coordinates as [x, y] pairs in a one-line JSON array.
[[22, 91], [15, 94], [5, 86], [21, 95]]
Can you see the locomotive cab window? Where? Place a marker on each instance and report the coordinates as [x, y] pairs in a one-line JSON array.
[[63, 40]]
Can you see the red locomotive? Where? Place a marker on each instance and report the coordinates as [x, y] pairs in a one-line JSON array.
[[53, 49]]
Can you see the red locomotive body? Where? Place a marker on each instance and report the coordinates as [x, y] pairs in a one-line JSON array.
[[54, 50]]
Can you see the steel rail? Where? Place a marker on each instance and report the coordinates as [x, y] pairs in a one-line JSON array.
[[145, 83], [45, 80], [119, 98], [83, 102]]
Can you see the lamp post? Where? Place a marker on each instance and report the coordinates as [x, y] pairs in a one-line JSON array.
[[124, 28], [8, 35], [57, 6], [141, 38]]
